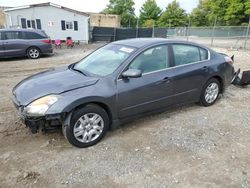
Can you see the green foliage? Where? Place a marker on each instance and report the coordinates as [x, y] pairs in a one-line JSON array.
[[148, 23], [149, 13], [235, 12], [247, 7], [173, 16], [124, 8], [225, 12], [198, 16]]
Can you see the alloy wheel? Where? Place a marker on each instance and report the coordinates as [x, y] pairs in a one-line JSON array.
[[212, 92], [88, 127], [34, 53]]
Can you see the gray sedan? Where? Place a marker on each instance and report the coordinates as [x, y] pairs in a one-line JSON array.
[[121, 81]]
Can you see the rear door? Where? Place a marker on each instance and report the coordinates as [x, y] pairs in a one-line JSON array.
[[190, 71], [14, 44], [1, 46]]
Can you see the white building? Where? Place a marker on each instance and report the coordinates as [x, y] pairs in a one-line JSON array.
[[57, 21]]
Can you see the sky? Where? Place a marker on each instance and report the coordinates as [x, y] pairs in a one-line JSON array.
[[97, 5]]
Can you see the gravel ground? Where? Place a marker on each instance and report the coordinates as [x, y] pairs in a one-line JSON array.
[[190, 146]]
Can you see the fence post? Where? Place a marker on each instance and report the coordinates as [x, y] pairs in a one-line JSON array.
[[137, 22], [212, 39], [247, 33], [153, 31], [189, 25], [114, 33]]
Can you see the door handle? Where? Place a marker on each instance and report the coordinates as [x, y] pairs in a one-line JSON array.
[[205, 68], [164, 80]]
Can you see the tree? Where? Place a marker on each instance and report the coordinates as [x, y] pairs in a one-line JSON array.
[[149, 13], [173, 16], [235, 12], [124, 8], [226, 12], [247, 7], [198, 16]]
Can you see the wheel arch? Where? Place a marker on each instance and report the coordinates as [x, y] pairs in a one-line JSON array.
[[98, 103], [222, 85], [33, 47]]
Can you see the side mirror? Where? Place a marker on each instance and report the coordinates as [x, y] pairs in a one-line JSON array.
[[132, 73]]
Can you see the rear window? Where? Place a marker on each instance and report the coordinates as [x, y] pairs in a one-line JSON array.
[[186, 54], [32, 35], [204, 54]]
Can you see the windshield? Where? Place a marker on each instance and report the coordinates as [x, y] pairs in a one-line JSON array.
[[105, 60]]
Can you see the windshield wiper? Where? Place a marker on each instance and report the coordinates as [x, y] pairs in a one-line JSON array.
[[79, 71]]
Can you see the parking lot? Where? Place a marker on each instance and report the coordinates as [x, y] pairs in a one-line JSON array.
[[189, 146]]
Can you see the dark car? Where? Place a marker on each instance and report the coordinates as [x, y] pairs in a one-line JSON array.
[[24, 42], [118, 82]]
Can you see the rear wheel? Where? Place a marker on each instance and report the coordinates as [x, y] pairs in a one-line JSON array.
[[33, 53], [88, 126], [210, 92]]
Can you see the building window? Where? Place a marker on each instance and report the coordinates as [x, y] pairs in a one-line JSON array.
[[38, 24], [75, 25], [28, 24], [69, 25], [23, 23], [35, 24]]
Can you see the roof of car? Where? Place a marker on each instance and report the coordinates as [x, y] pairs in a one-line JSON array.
[[28, 30], [142, 42], [18, 29]]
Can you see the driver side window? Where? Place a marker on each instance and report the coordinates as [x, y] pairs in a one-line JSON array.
[[153, 59]]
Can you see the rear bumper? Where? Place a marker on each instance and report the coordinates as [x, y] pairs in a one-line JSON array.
[[241, 79], [47, 51]]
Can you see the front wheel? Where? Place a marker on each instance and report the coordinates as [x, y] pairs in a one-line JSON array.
[[88, 126], [33, 53], [210, 92]]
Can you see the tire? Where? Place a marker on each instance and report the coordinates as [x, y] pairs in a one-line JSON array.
[[33, 53], [210, 92], [88, 125]]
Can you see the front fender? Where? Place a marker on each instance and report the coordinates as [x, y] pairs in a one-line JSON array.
[[72, 99]]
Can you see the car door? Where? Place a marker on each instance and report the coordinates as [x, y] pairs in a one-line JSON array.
[[190, 71], [152, 90], [14, 44], [1, 46]]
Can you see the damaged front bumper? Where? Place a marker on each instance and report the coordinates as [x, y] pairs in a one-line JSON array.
[[241, 79], [42, 123]]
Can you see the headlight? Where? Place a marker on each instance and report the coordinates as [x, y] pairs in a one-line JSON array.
[[40, 106]]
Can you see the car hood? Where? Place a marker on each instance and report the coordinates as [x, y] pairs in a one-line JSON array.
[[54, 81]]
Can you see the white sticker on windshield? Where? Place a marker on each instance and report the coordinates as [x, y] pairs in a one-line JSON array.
[[126, 49]]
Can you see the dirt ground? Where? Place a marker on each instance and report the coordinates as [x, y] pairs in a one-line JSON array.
[[190, 146]]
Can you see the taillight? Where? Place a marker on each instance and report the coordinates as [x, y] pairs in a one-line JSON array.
[[229, 60], [48, 41]]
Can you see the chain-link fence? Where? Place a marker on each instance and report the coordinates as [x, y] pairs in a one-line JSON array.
[[220, 36]]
